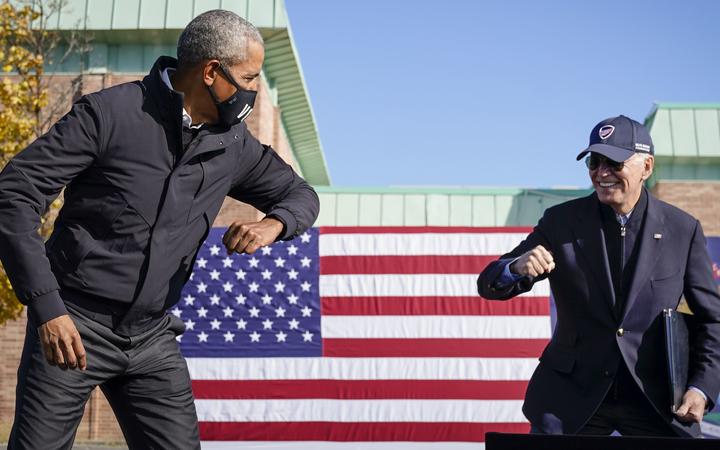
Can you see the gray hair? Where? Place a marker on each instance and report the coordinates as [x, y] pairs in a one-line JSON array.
[[216, 34], [642, 157]]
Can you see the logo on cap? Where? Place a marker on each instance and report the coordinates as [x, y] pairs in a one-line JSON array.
[[606, 131]]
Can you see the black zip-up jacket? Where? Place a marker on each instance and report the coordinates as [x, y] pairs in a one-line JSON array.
[[137, 206]]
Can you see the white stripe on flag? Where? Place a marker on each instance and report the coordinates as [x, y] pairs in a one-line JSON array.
[[330, 410], [361, 368], [475, 327], [419, 244], [317, 445], [412, 285]]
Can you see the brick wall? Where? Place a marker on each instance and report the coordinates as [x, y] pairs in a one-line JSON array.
[[698, 198], [99, 423]]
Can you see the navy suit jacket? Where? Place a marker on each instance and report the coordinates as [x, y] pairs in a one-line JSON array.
[[578, 366]]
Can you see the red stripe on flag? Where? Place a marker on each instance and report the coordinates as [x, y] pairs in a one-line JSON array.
[[416, 230], [342, 265], [355, 431], [360, 389], [476, 348], [434, 306]]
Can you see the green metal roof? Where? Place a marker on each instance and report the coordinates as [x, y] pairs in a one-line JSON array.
[[143, 29], [419, 206], [685, 130], [687, 141]]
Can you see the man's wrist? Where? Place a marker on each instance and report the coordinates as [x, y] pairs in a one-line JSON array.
[[276, 222]]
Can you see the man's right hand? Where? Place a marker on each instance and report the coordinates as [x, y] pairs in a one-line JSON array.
[[62, 344], [533, 263]]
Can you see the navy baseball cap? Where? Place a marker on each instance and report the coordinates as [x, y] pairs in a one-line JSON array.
[[618, 138]]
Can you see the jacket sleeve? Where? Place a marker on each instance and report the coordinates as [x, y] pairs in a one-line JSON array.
[[701, 293], [487, 283], [273, 187], [28, 185]]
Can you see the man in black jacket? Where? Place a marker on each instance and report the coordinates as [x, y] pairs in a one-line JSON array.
[[147, 166], [615, 260]]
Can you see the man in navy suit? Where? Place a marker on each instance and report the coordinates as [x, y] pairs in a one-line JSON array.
[[615, 260]]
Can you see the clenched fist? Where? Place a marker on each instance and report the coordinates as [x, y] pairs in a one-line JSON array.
[[533, 263], [249, 237]]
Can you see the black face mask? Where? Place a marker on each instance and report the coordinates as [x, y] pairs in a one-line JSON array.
[[236, 108]]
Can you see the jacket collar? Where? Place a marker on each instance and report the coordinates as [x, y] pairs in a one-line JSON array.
[[590, 239], [168, 102], [170, 105]]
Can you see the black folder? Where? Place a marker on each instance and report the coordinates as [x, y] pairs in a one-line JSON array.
[[677, 349]]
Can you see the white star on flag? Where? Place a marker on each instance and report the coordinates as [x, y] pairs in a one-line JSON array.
[[229, 337], [202, 263], [305, 286], [228, 286], [240, 274], [279, 262], [241, 324], [293, 299], [202, 287], [240, 299], [189, 300], [227, 262], [279, 286], [228, 311], [266, 274], [266, 250], [253, 287], [306, 311], [215, 299], [293, 324], [255, 337], [214, 250], [214, 275], [280, 312], [202, 312], [267, 324], [202, 337], [281, 336], [305, 237], [254, 262], [254, 312], [215, 324], [292, 250], [307, 336], [305, 262], [266, 299], [293, 274], [176, 312], [189, 324]]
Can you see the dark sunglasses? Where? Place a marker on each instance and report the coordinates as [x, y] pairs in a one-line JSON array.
[[594, 160]]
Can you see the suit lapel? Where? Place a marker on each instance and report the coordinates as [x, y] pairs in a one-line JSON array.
[[590, 240], [649, 250]]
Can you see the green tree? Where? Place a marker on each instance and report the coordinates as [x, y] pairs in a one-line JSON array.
[[27, 46]]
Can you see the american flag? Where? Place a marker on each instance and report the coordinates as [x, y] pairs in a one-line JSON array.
[[353, 335]]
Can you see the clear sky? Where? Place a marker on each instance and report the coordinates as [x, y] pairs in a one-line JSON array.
[[492, 93]]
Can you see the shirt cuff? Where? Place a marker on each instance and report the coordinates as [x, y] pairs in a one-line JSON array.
[[46, 307], [507, 278]]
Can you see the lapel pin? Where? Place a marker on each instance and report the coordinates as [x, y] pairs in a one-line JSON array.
[[657, 236]]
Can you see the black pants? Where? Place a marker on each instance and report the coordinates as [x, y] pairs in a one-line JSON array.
[[626, 410], [144, 377]]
